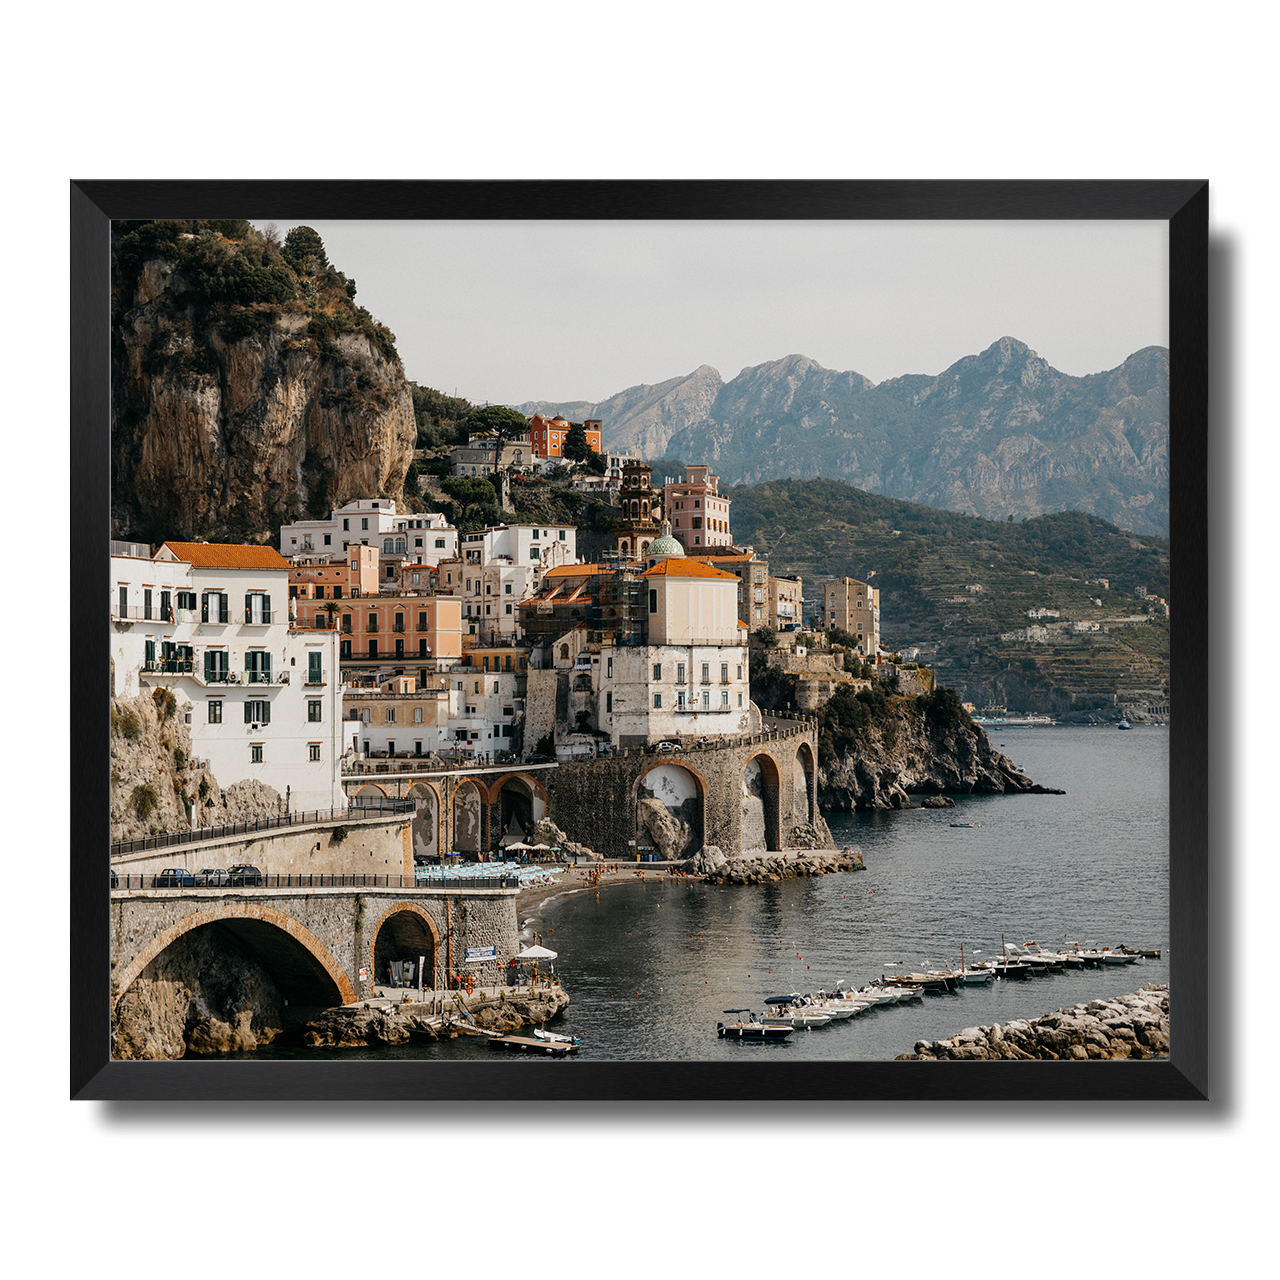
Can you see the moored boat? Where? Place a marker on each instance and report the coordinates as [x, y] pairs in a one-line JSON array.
[[752, 1029]]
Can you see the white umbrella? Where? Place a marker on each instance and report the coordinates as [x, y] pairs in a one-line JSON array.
[[540, 846], [520, 844], [536, 953]]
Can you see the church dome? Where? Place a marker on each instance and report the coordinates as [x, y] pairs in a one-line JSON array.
[[664, 545]]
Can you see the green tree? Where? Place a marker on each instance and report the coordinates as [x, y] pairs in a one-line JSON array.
[[595, 463], [576, 445], [767, 636], [468, 491], [503, 422], [304, 251]]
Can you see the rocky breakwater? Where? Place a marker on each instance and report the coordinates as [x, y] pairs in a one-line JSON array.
[[1132, 1026], [893, 748], [715, 868], [372, 1026]]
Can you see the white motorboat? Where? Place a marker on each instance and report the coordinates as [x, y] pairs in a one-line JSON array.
[[1107, 956], [972, 977], [752, 1029]]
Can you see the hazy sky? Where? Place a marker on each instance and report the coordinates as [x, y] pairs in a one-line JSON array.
[[514, 311]]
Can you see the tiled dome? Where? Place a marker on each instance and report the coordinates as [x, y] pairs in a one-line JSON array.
[[664, 545]]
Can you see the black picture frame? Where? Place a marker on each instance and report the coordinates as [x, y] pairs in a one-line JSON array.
[[1183, 204]]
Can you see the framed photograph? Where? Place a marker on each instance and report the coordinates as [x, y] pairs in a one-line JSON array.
[[801, 706]]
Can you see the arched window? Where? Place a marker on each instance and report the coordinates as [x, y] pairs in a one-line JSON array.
[[644, 510], [624, 546], [644, 549], [400, 546], [564, 650], [388, 546]]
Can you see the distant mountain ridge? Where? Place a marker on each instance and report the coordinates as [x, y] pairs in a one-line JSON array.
[[997, 434]]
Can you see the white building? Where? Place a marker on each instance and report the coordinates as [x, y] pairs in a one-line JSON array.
[[498, 568], [692, 678], [424, 537], [210, 621]]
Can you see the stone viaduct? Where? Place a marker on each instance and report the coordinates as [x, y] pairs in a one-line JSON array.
[[315, 937]]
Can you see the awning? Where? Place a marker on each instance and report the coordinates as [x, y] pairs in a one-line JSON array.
[[536, 953]]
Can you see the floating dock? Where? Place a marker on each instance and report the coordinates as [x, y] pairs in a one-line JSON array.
[[526, 1044]]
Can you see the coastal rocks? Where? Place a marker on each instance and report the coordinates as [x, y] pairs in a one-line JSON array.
[[1132, 1026], [546, 832], [706, 862], [937, 802], [201, 995], [365, 1026], [785, 866], [907, 755], [810, 835], [670, 834]]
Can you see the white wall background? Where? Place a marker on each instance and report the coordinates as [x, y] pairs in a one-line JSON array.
[[715, 90]]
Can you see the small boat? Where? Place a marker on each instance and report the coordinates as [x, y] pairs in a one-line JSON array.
[[931, 982], [1124, 724], [527, 1044], [972, 977], [966, 824], [1138, 951], [752, 1029], [1107, 956], [554, 1037]]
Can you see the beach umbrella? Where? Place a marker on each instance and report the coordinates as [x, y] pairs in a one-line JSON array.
[[536, 953]]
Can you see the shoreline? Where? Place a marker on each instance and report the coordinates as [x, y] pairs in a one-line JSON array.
[[531, 902]]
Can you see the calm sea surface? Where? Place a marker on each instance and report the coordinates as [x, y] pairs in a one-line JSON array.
[[651, 968]]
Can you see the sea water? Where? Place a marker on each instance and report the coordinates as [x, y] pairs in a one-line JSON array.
[[651, 967]]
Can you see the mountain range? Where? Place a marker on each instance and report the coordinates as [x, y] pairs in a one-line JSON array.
[[997, 434]]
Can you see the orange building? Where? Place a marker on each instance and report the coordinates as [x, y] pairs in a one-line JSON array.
[[546, 435], [378, 631], [334, 577]]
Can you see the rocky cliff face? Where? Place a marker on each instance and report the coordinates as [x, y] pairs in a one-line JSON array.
[[908, 755], [154, 778], [230, 418]]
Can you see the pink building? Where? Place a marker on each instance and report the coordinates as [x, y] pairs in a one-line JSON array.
[[699, 515]]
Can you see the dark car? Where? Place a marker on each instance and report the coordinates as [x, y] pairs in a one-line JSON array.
[[210, 878], [540, 760], [243, 874], [173, 878]]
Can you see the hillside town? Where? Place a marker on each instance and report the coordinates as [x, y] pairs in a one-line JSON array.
[[376, 634]]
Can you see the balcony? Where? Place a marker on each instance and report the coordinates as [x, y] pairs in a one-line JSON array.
[[141, 613], [262, 617], [262, 677], [168, 666]]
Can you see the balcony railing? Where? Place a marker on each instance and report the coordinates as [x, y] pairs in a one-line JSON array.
[[263, 617], [157, 880], [169, 666], [156, 613]]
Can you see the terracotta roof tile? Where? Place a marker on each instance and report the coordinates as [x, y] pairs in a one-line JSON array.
[[680, 567], [227, 555]]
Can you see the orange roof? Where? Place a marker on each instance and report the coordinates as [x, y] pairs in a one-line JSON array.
[[576, 570], [227, 555], [679, 567], [725, 557]]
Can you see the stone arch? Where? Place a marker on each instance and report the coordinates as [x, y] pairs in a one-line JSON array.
[[761, 818], [369, 791], [670, 806], [524, 809], [644, 549], [468, 806], [404, 931], [248, 923], [624, 546], [424, 826], [804, 803]]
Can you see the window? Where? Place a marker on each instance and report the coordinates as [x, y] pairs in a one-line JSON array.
[[706, 673], [534, 553], [327, 540], [609, 668], [417, 715], [255, 753], [313, 748], [364, 523], [724, 673], [313, 710], [440, 543], [146, 602], [355, 566], [653, 602], [346, 526], [679, 673], [657, 671], [344, 649], [739, 699], [365, 715], [508, 610], [391, 715], [257, 711], [657, 701], [680, 700], [215, 712], [535, 535], [562, 537], [373, 648], [739, 671], [706, 700]]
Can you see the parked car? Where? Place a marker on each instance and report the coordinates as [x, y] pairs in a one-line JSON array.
[[541, 760], [173, 878], [210, 878], [667, 744], [243, 874]]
